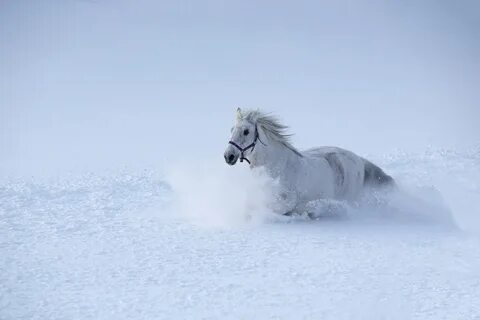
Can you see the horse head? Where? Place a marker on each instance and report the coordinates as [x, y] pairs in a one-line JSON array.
[[243, 140]]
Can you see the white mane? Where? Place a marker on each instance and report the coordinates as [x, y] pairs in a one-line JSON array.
[[271, 126]]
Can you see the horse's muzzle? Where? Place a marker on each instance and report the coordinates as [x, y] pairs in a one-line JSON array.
[[230, 158]]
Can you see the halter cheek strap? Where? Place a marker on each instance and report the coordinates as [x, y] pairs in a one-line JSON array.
[[250, 146]]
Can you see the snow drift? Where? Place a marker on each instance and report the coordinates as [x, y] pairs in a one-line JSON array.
[[132, 245]]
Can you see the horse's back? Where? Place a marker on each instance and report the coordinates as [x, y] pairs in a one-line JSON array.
[[323, 151], [352, 172], [347, 167]]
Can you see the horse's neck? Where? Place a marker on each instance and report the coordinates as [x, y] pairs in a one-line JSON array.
[[273, 156]]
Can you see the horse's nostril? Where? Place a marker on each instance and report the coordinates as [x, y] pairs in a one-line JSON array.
[[230, 157]]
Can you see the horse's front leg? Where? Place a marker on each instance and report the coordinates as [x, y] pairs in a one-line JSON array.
[[284, 202]]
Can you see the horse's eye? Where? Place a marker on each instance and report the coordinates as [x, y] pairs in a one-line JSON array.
[[246, 132]]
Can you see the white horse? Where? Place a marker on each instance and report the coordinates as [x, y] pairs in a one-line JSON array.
[[303, 176]]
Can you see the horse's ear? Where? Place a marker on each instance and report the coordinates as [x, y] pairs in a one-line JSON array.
[[239, 114]]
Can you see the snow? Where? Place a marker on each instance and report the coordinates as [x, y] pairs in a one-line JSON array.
[[133, 245]]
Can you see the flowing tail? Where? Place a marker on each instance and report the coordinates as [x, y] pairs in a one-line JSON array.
[[376, 177]]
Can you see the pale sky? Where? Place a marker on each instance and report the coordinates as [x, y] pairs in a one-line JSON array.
[[103, 84]]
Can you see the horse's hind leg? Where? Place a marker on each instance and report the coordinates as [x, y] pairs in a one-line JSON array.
[[326, 208]]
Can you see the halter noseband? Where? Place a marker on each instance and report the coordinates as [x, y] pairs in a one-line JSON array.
[[251, 145]]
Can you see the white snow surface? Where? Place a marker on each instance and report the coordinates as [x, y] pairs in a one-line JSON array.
[[147, 245]]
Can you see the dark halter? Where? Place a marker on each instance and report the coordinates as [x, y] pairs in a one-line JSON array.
[[250, 146]]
